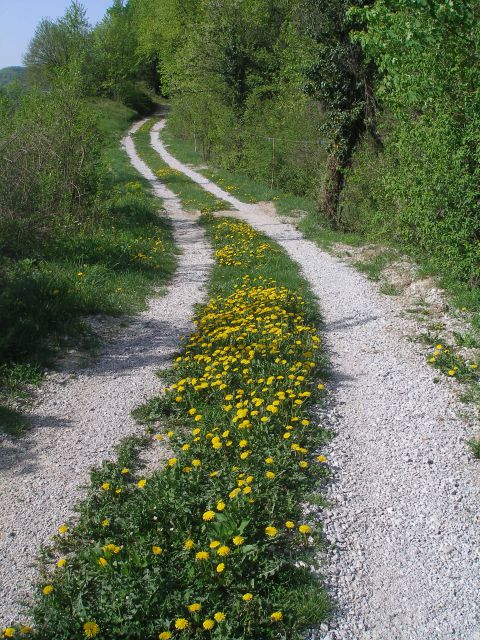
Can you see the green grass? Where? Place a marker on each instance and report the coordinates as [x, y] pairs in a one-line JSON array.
[[475, 447], [108, 266], [141, 585], [192, 196], [12, 422]]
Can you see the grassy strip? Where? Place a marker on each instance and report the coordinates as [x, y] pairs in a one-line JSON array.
[[109, 266], [193, 197], [215, 543]]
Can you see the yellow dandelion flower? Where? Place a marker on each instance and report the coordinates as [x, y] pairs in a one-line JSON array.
[[188, 544], [219, 616], [141, 483], [181, 624], [208, 624], [105, 522], [223, 551], [102, 562], [238, 540], [156, 550], [305, 528], [62, 529], [165, 635], [247, 597], [61, 563], [202, 555], [9, 632], [220, 567], [106, 486], [193, 608], [271, 531], [208, 515], [91, 629], [289, 524], [220, 505], [276, 616], [47, 589]]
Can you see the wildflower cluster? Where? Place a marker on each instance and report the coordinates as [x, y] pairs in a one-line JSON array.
[[453, 365], [209, 545], [167, 172], [242, 245]]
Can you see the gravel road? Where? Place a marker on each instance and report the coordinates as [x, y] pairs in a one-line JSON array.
[[76, 422], [404, 520]]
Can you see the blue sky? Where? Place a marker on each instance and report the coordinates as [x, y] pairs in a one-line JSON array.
[[18, 19]]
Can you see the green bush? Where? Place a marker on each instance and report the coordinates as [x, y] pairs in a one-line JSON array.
[[424, 189], [50, 158]]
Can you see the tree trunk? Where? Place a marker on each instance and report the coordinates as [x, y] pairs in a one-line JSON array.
[[332, 188]]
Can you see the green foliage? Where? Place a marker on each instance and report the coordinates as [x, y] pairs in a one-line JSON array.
[[424, 188], [49, 170], [61, 44]]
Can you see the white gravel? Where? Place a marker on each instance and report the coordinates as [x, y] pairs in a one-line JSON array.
[[404, 520], [77, 422]]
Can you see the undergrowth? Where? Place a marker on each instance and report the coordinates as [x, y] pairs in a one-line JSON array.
[[214, 543]]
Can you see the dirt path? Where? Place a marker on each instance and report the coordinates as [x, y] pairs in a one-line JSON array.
[[405, 502], [76, 423]]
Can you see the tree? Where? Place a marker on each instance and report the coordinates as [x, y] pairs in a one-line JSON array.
[[59, 44], [342, 82], [115, 51]]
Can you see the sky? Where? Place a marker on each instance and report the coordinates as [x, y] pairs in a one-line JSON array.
[[18, 19]]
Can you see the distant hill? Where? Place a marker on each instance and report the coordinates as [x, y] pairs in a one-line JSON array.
[[9, 74]]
